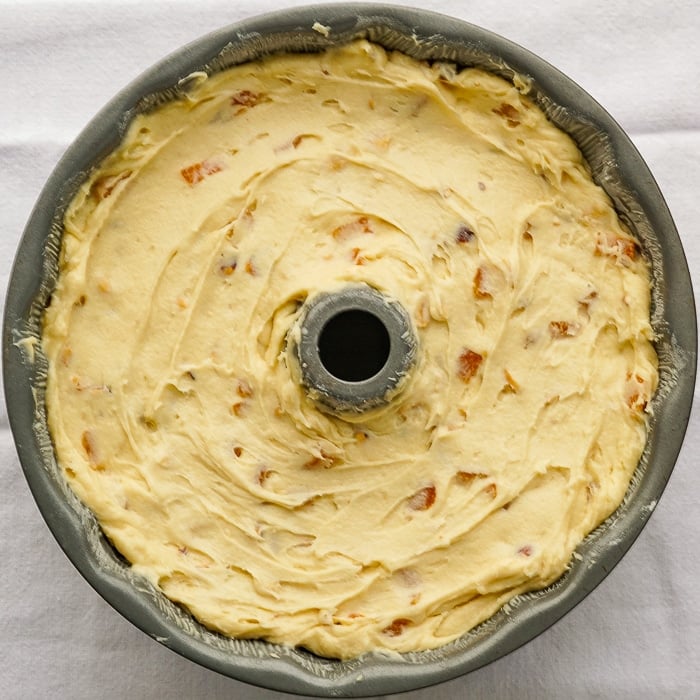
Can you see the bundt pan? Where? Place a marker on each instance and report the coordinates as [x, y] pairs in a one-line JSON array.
[[617, 167]]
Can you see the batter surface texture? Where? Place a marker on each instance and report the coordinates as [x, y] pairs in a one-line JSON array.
[[187, 256]]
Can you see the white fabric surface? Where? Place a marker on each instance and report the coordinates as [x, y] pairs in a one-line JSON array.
[[637, 635]]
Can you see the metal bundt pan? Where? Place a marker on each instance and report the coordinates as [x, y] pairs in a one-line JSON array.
[[616, 165]]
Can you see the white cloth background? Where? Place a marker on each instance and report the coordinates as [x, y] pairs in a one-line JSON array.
[[637, 635]]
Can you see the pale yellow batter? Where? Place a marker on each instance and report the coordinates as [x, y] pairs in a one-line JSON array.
[[186, 258]]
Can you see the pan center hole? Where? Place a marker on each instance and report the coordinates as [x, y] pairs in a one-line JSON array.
[[354, 345]]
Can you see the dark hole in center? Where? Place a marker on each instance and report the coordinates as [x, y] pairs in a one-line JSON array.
[[354, 345]]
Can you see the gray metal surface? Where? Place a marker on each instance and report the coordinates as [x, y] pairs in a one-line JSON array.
[[358, 382], [617, 167]]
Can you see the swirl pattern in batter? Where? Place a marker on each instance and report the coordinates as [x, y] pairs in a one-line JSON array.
[[187, 257]]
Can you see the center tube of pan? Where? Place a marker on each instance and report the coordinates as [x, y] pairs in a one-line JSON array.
[[354, 347]]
